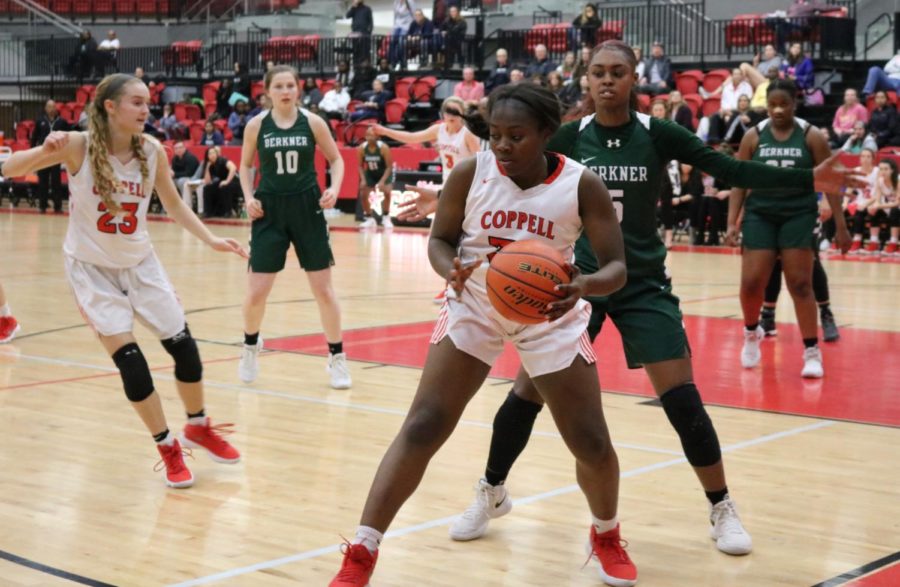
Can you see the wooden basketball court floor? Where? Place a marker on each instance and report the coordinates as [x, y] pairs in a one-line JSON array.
[[814, 466]]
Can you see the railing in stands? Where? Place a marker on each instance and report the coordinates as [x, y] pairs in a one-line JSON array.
[[873, 35]]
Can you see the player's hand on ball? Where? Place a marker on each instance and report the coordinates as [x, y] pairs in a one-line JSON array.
[[328, 199], [574, 291], [255, 209], [56, 141], [229, 245], [460, 273]]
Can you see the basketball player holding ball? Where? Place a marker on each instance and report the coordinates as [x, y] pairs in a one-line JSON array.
[[518, 178]]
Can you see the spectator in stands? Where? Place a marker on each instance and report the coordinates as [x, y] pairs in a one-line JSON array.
[[884, 122], [709, 215], [184, 167], [139, 73], [241, 81], [879, 207], [657, 72], [269, 65], [538, 80], [262, 103], [584, 27], [859, 139], [362, 80], [86, 56], [49, 178], [237, 121], [499, 76], [679, 111], [639, 70], [169, 125], [311, 93], [516, 75], [343, 72], [730, 91], [758, 101], [403, 17], [421, 37], [84, 116], [361, 24], [212, 137], [581, 65], [108, 52], [743, 120], [567, 67], [470, 90], [541, 65], [757, 72], [798, 67], [226, 88], [847, 115], [453, 32], [373, 107], [439, 11], [220, 188], [385, 75], [887, 78], [796, 22], [556, 85], [582, 94], [335, 101]]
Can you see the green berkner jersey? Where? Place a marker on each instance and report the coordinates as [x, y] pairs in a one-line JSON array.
[[793, 153], [286, 156], [373, 162], [631, 160]]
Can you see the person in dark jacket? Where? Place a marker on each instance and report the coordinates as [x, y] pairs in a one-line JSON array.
[[362, 80], [361, 25], [454, 33], [500, 74], [884, 122], [421, 37], [584, 27], [241, 80], [49, 178], [657, 73]]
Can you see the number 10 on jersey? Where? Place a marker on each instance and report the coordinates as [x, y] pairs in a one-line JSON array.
[[288, 161]]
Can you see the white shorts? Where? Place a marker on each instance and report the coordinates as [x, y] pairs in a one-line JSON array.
[[478, 330], [109, 299]]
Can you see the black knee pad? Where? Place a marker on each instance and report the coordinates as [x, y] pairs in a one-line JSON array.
[[685, 410], [183, 348], [134, 371]]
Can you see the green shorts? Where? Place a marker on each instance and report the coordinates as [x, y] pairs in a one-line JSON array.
[[290, 219], [776, 232], [372, 179], [648, 319]]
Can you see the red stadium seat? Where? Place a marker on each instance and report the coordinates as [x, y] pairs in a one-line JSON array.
[[63, 7], [256, 88], [187, 112], [422, 89], [325, 85], [85, 94], [24, 128], [210, 89], [711, 105], [353, 105], [610, 30], [538, 35], [65, 111], [356, 132], [643, 103], [715, 78], [402, 87], [394, 110], [695, 103], [196, 130], [156, 92], [688, 82], [270, 51], [309, 48]]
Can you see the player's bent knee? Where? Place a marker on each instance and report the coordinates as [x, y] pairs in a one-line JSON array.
[[685, 411], [427, 427], [801, 287], [183, 349], [135, 372]]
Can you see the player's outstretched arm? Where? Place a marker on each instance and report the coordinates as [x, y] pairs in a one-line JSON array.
[[422, 136], [179, 211], [420, 207], [59, 147], [447, 227]]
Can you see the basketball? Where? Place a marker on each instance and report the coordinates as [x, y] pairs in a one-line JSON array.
[[521, 280]]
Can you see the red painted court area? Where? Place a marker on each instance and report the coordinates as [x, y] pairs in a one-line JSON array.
[[861, 375], [886, 577]]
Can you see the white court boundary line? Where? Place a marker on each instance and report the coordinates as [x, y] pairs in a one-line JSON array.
[[326, 402], [309, 554]]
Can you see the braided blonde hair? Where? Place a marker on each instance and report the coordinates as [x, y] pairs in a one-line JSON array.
[[110, 88]]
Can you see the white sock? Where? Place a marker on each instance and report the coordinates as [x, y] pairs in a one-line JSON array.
[[368, 537], [857, 237], [893, 240], [4, 310], [197, 421], [602, 526], [169, 440]]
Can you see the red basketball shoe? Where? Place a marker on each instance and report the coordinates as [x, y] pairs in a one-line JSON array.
[[357, 568], [616, 568], [177, 473], [872, 248], [8, 328], [890, 249], [855, 247], [210, 437]]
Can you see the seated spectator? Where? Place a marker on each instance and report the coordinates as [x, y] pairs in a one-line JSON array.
[[171, 128], [639, 70], [311, 93], [679, 111], [373, 107], [567, 68], [853, 197], [516, 75], [657, 73], [335, 101], [185, 167], [798, 67], [421, 37], [538, 80], [108, 52], [541, 65], [880, 207], [758, 72], [710, 212], [453, 31], [584, 27], [237, 121], [731, 90], [343, 73], [859, 139], [579, 95], [469, 89], [220, 185], [759, 101], [499, 76], [848, 114], [385, 75], [743, 120], [555, 84], [884, 122], [582, 64], [241, 81], [886, 78], [212, 137], [362, 80], [83, 117], [262, 103]]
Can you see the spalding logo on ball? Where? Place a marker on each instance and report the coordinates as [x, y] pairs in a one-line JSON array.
[[521, 280]]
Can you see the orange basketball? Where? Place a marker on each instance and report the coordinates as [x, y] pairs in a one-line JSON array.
[[521, 278]]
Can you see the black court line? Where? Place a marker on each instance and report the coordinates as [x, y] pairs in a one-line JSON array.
[[861, 571], [53, 571]]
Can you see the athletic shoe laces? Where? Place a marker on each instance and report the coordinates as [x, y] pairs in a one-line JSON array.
[[613, 547], [170, 461], [355, 562], [482, 502], [725, 517], [215, 433]]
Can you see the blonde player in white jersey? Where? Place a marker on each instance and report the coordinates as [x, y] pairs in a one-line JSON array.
[[112, 268], [517, 180]]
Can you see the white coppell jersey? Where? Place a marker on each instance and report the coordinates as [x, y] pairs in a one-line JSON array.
[[498, 212], [100, 238], [452, 148]]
